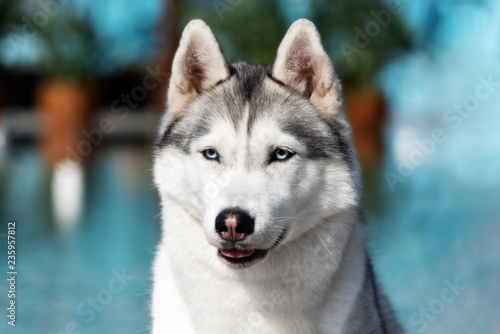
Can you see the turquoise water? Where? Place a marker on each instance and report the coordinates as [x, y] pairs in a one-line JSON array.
[[67, 275], [440, 225], [433, 234]]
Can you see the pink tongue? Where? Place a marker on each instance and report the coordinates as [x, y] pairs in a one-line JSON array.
[[235, 253]]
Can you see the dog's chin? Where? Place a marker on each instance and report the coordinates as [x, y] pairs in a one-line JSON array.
[[241, 258]]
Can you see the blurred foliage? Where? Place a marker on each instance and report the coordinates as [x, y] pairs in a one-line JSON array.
[[9, 14], [337, 20], [69, 48], [252, 31], [248, 30]]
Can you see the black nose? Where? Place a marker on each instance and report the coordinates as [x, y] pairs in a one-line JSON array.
[[234, 224]]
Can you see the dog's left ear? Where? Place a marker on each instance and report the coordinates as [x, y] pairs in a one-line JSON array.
[[302, 64]]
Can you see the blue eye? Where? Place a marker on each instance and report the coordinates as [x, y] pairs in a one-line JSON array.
[[210, 154], [281, 154]]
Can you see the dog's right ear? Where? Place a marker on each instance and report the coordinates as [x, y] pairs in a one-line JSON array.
[[198, 65]]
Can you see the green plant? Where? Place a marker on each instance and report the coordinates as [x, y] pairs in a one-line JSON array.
[[9, 14], [248, 30], [69, 48], [342, 25]]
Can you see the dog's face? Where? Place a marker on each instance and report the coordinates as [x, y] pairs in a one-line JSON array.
[[257, 154]]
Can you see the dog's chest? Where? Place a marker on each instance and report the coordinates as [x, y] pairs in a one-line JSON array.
[[229, 306]]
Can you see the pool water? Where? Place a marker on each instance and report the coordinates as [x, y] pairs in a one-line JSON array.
[[95, 275]]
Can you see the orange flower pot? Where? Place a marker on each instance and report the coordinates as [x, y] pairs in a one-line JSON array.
[[64, 109]]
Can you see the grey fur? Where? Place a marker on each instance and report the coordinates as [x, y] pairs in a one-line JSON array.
[[376, 315]]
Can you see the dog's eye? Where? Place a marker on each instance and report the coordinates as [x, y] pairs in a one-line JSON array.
[[210, 154], [281, 154]]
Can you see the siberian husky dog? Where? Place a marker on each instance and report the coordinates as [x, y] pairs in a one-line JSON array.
[[259, 188]]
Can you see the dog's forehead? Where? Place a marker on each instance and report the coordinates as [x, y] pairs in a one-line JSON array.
[[251, 95]]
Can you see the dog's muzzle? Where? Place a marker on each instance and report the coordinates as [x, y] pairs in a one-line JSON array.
[[233, 226]]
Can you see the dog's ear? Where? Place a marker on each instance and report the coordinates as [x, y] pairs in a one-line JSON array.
[[198, 65], [302, 64]]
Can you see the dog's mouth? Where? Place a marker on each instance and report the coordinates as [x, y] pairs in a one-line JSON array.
[[241, 257], [245, 257]]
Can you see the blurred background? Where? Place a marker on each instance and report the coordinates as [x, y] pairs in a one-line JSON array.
[[82, 87]]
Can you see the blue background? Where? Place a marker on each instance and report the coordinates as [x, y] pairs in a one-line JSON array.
[[436, 226]]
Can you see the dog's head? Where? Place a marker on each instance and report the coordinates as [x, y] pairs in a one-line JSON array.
[[259, 155]]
